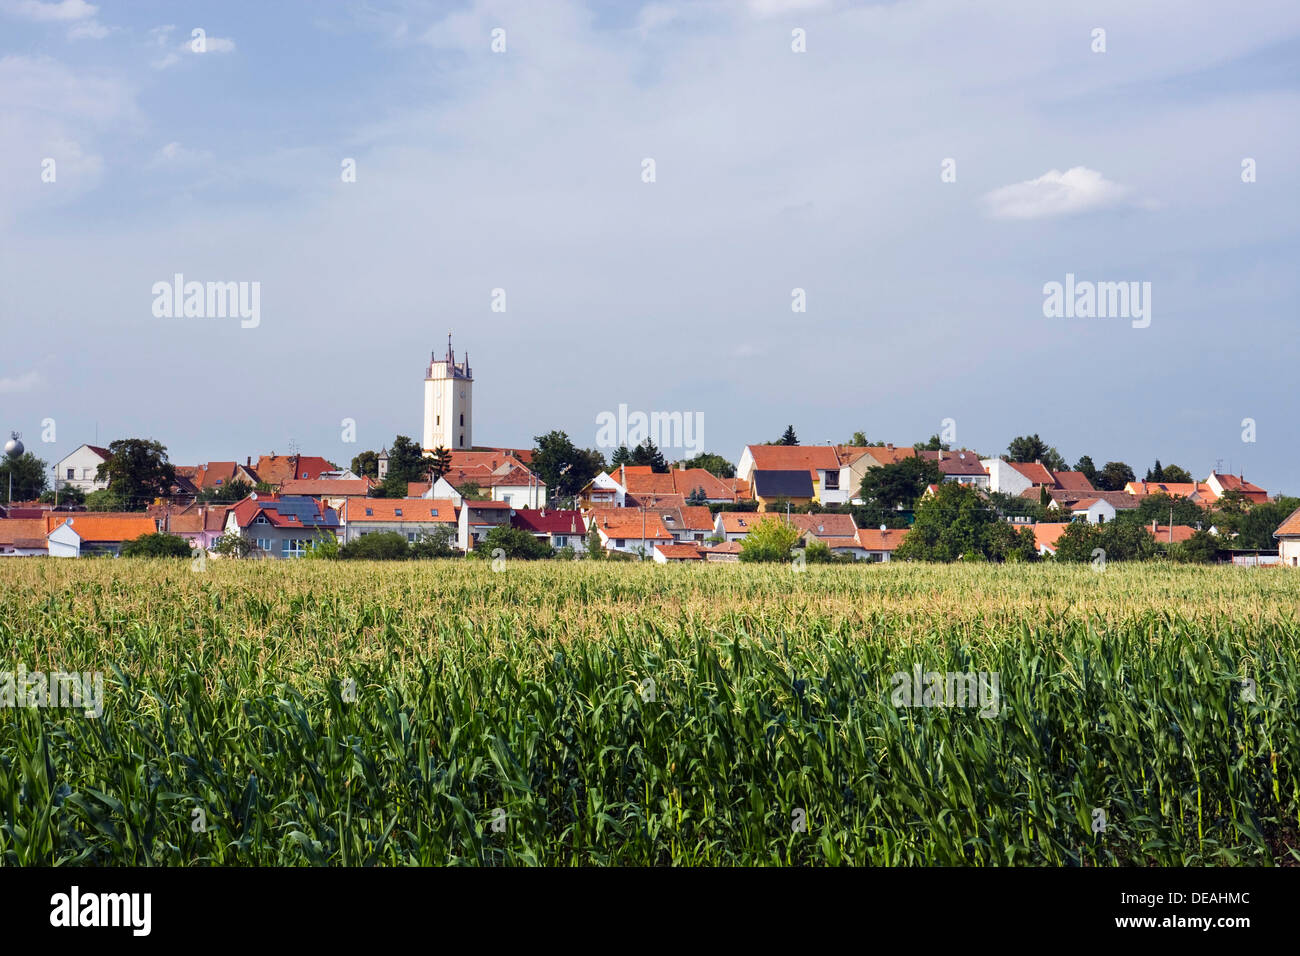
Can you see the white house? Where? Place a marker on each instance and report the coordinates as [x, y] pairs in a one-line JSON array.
[[78, 469], [1093, 510], [73, 535], [1288, 540], [1004, 478]]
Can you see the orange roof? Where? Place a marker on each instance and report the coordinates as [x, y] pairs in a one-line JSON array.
[[416, 489], [794, 458], [1181, 532], [835, 543], [1250, 491], [825, 525], [14, 530], [1175, 489], [90, 526], [413, 510], [1046, 533], [1290, 527], [739, 522], [1035, 472], [873, 539], [612, 524], [1072, 481], [681, 552], [726, 547], [888, 454]]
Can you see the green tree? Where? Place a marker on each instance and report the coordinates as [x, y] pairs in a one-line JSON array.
[[471, 491], [1120, 540], [622, 456], [771, 539], [1114, 476], [1054, 461], [441, 462], [900, 484], [233, 545], [934, 444], [138, 472], [406, 463], [157, 546], [697, 497], [859, 440], [715, 465], [788, 437], [647, 454], [1201, 548], [1173, 473], [1254, 527], [28, 474], [515, 542], [66, 495], [366, 465], [379, 546], [1027, 448], [237, 490], [956, 523], [1085, 466], [1155, 473], [1158, 508], [595, 550], [564, 468], [435, 544]]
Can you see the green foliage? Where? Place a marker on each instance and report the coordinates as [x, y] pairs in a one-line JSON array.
[[406, 463], [1158, 508], [934, 444], [324, 547], [788, 437], [697, 498], [622, 456], [233, 545], [1120, 540], [715, 465], [818, 552], [1089, 470], [66, 495], [1253, 526], [28, 474], [366, 465], [438, 543], [647, 454], [514, 542], [1175, 474], [1113, 477], [377, 546], [901, 484], [236, 491], [771, 539], [230, 691], [956, 523], [1201, 548], [105, 499], [441, 462], [859, 440], [157, 546], [138, 472], [470, 491], [1027, 448], [564, 468], [595, 550]]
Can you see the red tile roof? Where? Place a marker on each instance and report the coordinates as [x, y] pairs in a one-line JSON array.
[[23, 532], [326, 487], [613, 524], [549, 521], [679, 552], [810, 458], [90, 526], [1035, 472], [1046, 533], [413, 510], [739, 522], [823, 525], [873, 539], [1072, 481], [1181, 532], [1289, 528]]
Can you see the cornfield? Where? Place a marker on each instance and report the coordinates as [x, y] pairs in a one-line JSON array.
[[574, 713]]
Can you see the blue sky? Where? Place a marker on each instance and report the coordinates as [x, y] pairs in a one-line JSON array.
[[774, 170]]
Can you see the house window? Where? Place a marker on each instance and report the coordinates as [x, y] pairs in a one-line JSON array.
[[370, 512], [462, 421], [398, 512], [561, 541], [293, 547], [261, 519], [462, 441], [72, 473], [410, 537], [263, 544], [619, 543], [220, 480], [433, 512], [437, 419], [832, 481]]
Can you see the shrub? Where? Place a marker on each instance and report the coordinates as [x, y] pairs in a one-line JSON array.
[[157, 546]]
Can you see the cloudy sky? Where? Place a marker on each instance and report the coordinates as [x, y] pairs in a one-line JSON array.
[[774, 170]]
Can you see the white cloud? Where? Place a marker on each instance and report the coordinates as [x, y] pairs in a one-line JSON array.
[[89, 30], [45, 12], [20, 383], [771, 8], [174, 154], [1055, 193], [210, 45]]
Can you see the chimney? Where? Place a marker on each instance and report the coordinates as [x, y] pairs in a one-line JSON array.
[[1155, 525], [248, 461]]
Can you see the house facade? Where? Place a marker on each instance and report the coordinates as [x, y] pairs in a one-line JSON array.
[[1288, 540], [88, 533], [79, 468], [412, 518], [282, 527]]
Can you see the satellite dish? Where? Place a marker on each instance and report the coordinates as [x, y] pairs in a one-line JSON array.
[[252, 495]]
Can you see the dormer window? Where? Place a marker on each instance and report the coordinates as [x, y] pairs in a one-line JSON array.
[[261, 519], [370, 512], [398, 512], [433, 512]]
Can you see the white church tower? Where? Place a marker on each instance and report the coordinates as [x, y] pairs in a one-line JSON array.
[[448, 404]]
